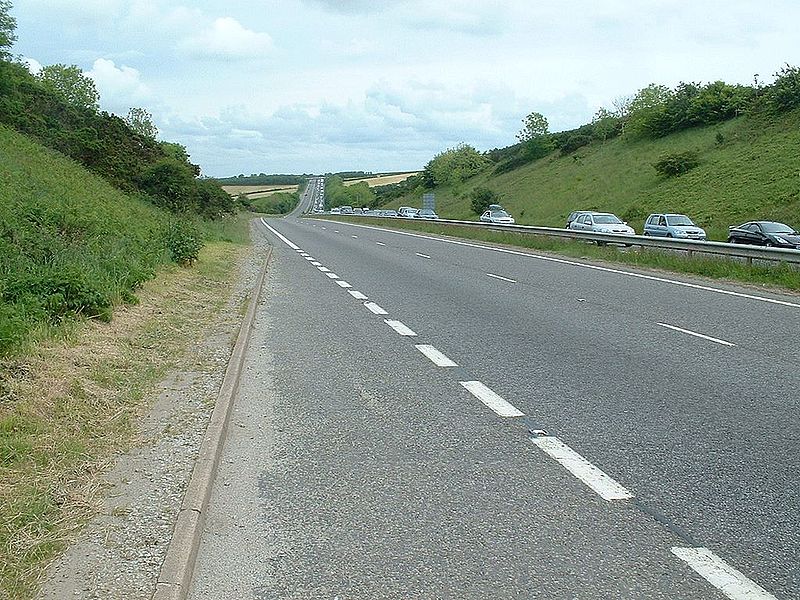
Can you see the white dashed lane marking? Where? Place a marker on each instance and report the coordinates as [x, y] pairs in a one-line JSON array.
[[439, 359], [374, 308], [731, 582], [380, 243], [357, 295], [602, 484], [324, 269], [421, 255], [501, 278], [695, 334], [400, 328], [343, 284], [491, 399], [332, 275]]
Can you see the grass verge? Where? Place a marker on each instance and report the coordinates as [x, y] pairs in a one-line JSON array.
[[69, 405], [779, 275]]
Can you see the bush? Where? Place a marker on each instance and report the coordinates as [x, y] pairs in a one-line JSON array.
[[671, 165], [574, 142], [183, 240], [784, 94], [481, 199]]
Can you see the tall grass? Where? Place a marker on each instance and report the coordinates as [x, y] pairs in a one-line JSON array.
[[71, 245]]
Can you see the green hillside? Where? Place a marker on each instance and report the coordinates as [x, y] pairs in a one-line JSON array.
[[70, 243], [749, 168]]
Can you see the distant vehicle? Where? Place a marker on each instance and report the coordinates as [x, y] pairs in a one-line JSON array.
[[764, 233], [574, 215], [407, 211], [336, 211], [388, 213], [358, 211], [673, 226], [497, 216], [426, 213], [346, 210], [601, 223]]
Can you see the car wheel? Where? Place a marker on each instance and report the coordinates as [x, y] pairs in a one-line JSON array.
[[769, 244], [669, 235], [731, 240]]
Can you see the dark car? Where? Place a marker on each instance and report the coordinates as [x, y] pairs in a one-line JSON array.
[[764, 233]]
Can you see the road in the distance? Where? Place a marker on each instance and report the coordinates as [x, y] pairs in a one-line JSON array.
[[357, 467]]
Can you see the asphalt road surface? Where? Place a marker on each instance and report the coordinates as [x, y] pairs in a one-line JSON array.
[[553, 429]]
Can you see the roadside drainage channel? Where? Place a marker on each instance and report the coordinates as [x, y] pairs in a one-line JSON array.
[[175, 576]]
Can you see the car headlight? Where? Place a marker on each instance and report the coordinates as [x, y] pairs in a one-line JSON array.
[[604, 230], [681, 234]]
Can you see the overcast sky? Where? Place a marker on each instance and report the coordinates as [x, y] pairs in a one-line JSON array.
[[316, 86]]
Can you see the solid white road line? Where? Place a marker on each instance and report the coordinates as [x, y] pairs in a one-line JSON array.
[[374, 308], [400, 328], [342, 283], [491, 399], [572, 263], [420, 254], [439, 359], [501, 278], [280, 236], [332, 275], [695, 334], [324, 269], [605, 486], [357, 295], [380, 243], [731, 582]]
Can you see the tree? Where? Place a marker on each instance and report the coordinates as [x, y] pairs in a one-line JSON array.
[[535, 126], [605, 124], [8, 25], [454, 166], [141, 122], [71, 84], [648, 110]]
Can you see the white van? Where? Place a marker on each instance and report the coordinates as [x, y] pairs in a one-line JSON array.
[[407, 211]]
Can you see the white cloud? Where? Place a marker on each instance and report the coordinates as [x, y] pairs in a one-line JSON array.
[[34, 66], [120, 87], [227, 39]]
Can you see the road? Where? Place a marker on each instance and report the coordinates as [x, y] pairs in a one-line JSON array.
[[603, 433]]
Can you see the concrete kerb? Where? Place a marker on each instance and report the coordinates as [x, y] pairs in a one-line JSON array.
[[176, 571]]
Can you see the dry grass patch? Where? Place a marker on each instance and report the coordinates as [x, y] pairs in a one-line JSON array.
[[235, 190], [70, 406], [382, 179]]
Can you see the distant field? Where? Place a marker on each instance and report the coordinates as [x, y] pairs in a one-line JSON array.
[[382, 179], [256, 191]]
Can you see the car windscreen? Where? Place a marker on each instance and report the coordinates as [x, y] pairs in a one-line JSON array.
[[499, 213], [770, 227], [678, 220], [606, 220]]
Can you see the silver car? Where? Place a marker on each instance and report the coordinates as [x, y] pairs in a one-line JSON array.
[[673, 226], [602, 223], [497, 216]]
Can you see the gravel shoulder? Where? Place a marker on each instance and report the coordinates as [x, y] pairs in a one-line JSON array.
[[120, 551]]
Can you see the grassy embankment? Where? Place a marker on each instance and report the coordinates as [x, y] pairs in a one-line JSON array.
[[748, 170], [752, 174], [71, 388]]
